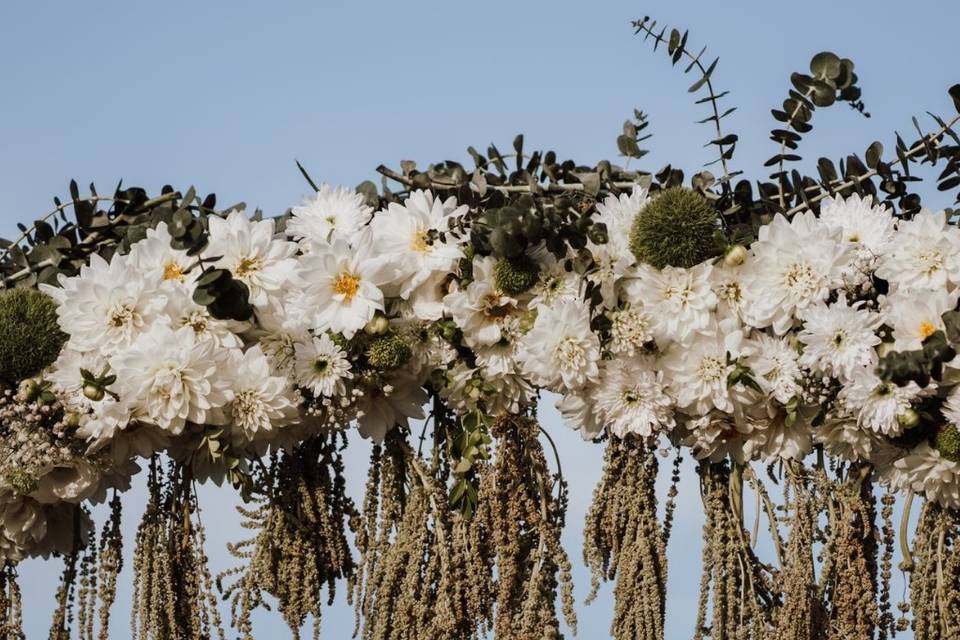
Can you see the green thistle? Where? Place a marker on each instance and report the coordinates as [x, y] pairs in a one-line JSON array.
[[514, 276], [947, 442], [676, 229], [30, 338], [388, 352]]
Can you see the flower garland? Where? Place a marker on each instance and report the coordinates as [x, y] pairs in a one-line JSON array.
[[697, 317]]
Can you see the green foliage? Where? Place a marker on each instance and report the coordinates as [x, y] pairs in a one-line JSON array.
[[947, 442], [388, 352], [676, 229], [920, 365], [514, 276], [31, 338]]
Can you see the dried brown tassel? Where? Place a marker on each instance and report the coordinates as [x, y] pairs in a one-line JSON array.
[[301, 544], [849, 575], [173, 595], [525, 519], [623, 540], [425, 572], [11, 604], [935, 581], [736, 589]]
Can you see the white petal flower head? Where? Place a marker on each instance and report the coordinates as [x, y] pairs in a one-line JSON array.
[[839, 339], [252, 253], [66, 377], [794, 264], [321, 366], [631, 329], [578, 413], [916, 314], [380, 410], [697, 373], [561, 352], [613, 260], [159, 261], [184, 312], [928, 473], [728, 285], [775, 366], [403, 232], [878, 405], [262, 402], [951, 408], [481, 309], [925, 254], [332, 212], [554, 283], [108, 305], [173, 378], [343, 284], [630, 398], [679, 300], [867, 226], [278, 334]]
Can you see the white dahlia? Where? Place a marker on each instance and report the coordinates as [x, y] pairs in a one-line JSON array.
[[697, 373], [925, 254], [174, 379], [630, 398], [480, 309], [108, 305], [631, 329], [878, 405], [321, 366], [916, 314], [184, 312], [868, 227], [252, 253], [261, 402], [926, 472], [160, 262], [794, 264], [332, 212], [678, 300], [839, 339], [775, 366], [380, 410], [561, 353], [578, 413]]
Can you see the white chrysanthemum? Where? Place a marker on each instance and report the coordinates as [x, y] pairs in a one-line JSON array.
[[500, 358], [630, 330], [380, 410], [159, 262], [184, 312], [728, 286], [925, 254], [480, 309], [278, 334], [868, 227], [172, 378], [718, 435], [249, 250], [630, 398], [561, 353], [613, 260], [261, 401], [926, 472], [578, 413], [781, 441], [321, 366], [876, 404], [402, 233], [342, 285], [775, 366], [916, 314], [107, 306], [839, 339], [330, 213], [679, 300], [843, 437], [793, 265], [697, 373]]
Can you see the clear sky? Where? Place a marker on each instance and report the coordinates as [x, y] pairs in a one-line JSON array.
[[225, 95]]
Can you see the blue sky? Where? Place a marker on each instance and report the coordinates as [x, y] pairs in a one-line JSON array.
[[225, 95]]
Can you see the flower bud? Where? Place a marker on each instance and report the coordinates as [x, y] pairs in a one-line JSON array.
[[908, 419], [93, 392], [377, 325], [736, 256]]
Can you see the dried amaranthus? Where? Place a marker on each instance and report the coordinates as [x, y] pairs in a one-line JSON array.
[[935, 581]]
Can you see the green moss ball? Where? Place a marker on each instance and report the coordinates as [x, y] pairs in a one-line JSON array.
[[675, 229], [388, 352], [947, 442], [30, 338], [514, 276]]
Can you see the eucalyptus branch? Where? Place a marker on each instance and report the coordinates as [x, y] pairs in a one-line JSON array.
[[555, 187]]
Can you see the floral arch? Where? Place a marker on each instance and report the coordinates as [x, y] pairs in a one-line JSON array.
[[798, 330]]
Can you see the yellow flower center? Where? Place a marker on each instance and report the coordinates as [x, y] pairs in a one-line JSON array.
[[248, 266], [419, 242], [927, 329], [346, 285], [172, 271]]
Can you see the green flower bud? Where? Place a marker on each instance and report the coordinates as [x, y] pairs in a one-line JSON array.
[[735, 256], [908, 419], [676, 229], [388, 352], [947, 442], [30, 338], [377, 326], [93, 392], [514, 276]]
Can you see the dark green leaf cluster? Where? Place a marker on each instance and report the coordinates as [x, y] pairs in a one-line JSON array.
[[919, 366], [676, 229], [225, 297], [30, 338], [629, 141]]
